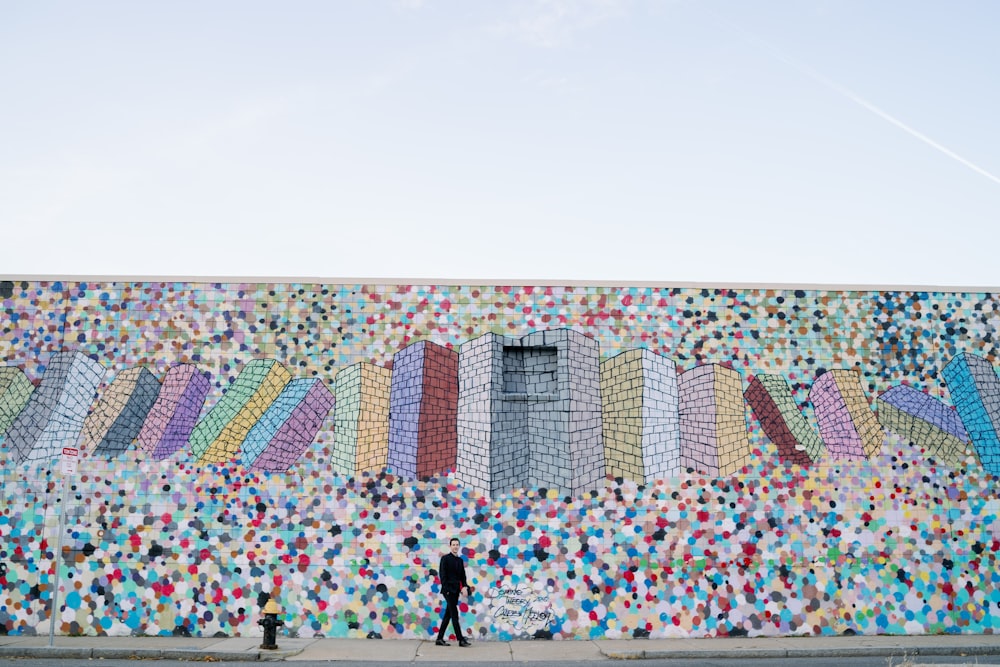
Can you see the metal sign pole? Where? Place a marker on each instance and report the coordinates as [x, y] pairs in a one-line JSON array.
[[54, 609], [69, 458]]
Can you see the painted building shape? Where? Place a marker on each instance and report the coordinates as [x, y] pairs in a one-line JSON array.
[[361, 418], [713, 428], [116, 420], [771, 400], [288, 427], [217, 437], [926, 421], [54, 414], [975, 391], [529, 413], [423, 415], [847, 425], [171, 420], [15, 390], [640, 416]]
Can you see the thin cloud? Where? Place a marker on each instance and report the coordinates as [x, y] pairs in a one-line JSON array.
[[854, 97], [550, 82], [862, 102], [554, 23]]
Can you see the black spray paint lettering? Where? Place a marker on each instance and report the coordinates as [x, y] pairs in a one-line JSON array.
[[520, 608]]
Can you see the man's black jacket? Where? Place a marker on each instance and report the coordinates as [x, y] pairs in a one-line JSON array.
[[452, 572]]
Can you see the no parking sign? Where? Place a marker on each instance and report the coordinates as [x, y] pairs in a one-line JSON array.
[[70, 457]]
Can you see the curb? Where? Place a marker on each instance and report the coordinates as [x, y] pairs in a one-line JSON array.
[[68, 652], [832, 652], [765, 653], [259, 655]]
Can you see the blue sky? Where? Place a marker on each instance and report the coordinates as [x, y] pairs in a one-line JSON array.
[[805, 142]]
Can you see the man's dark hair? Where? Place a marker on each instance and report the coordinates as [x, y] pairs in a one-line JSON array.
[[454, 539]]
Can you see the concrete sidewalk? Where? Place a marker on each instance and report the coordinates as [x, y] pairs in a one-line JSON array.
[[416, 650]]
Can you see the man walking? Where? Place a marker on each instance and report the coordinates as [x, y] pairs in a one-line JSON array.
[[452, 573]]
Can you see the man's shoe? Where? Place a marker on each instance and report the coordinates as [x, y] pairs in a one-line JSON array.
[[441, 642], [465, 642]]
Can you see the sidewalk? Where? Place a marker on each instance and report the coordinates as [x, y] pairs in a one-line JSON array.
[[415, 650]]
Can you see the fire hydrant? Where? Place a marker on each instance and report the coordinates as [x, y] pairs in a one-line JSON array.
[[271, 624]]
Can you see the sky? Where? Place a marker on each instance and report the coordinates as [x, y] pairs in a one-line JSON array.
[[842, 142]]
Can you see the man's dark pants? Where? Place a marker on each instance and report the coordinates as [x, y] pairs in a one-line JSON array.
[[450, 612]]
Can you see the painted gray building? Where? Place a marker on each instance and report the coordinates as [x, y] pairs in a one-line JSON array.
[[529, 412]]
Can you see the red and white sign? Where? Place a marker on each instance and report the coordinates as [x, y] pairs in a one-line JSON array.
[[70, 457]]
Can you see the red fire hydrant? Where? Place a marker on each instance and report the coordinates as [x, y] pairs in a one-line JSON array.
[[270, 624]]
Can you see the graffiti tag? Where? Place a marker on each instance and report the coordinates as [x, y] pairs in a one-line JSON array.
[[520, 608]]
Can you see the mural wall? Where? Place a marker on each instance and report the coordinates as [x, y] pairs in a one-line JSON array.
[[618, 461]]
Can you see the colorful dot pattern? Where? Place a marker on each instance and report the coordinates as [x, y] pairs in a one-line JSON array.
[[900, 542]]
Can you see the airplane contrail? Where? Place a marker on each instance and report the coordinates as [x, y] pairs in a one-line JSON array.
[[857, 99]]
